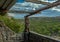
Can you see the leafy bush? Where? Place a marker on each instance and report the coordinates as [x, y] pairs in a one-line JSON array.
[[12, 23]]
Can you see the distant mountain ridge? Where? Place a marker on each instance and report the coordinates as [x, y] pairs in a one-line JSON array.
[[46, 18]]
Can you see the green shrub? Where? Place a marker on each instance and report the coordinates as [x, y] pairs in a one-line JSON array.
[[12, 23]]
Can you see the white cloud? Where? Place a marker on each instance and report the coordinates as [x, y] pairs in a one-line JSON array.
[[56, 8], [11, 14], [51, 1], [26, 6]]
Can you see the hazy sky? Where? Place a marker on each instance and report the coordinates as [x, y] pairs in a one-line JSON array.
[[46, 13]]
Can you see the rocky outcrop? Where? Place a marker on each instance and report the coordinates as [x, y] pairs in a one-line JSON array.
[[5, 33]]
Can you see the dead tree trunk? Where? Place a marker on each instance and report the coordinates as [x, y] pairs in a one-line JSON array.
[[26, 30]]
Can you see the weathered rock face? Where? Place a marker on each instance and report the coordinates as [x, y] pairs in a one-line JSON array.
[[5, 33]]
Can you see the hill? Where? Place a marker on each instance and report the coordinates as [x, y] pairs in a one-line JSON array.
[[46, 25], [49, 26]]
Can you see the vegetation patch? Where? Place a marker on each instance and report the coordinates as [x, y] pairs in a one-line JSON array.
[[46, 25], [12, 23]]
